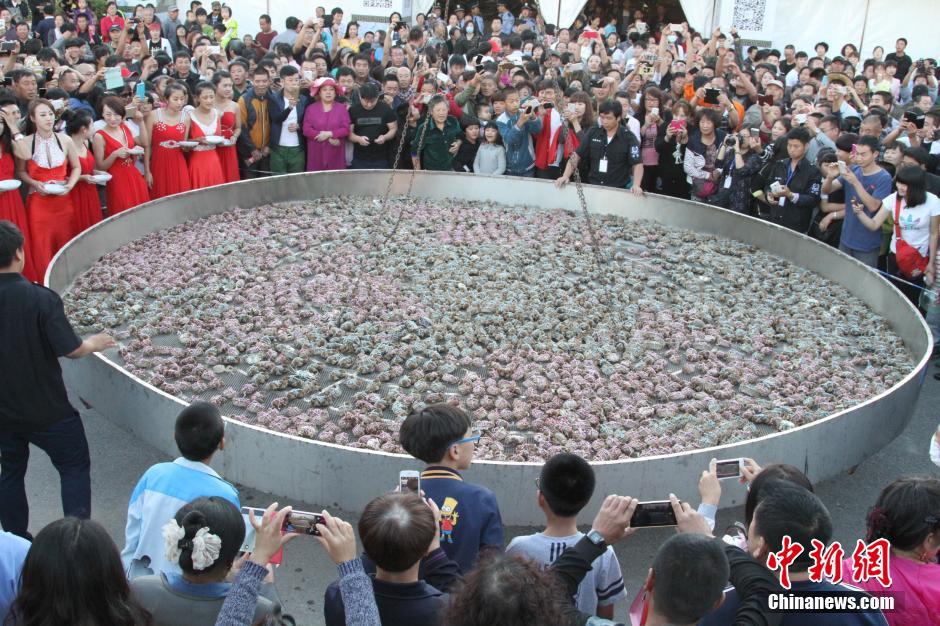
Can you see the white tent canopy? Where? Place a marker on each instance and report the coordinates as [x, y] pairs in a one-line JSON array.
[[803, 23]]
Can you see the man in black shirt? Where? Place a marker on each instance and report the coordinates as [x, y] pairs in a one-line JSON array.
[[373, 127], [900, 57], [794, 185], [34, 406], [611, 152]]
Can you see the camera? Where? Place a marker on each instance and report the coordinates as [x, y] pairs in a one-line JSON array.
[[731, 141]]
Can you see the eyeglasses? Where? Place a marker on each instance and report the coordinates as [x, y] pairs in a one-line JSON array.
[[475, 437]]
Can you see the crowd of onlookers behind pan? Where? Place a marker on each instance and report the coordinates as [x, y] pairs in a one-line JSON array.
[[192, 556]]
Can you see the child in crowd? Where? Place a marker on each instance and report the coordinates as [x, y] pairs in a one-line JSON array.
[[469, 144], [202, 539], [400, 536], [166, 487], [491, 156], [565, 486], [440, 435]]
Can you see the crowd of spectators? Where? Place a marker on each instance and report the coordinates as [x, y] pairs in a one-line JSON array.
[[146, 105]]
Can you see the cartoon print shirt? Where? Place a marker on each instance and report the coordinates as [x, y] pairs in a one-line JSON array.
[[470, 517]]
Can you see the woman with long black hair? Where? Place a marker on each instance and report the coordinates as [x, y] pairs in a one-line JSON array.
[[73, 575], [914, 238]]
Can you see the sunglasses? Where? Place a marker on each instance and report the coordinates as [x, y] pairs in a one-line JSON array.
[[475, 437]]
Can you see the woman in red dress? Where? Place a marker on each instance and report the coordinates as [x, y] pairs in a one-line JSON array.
[[47, 157], [84, 195], [115, 153], [231, 124], [205, 170], [11, 203], [164, 163]]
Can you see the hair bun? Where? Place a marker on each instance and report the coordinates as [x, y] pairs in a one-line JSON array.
[[879, 524]]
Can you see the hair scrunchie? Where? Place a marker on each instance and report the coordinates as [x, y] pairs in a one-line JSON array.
[[204, 545]]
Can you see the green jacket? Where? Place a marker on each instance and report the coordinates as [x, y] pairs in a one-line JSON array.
[[435, 150]]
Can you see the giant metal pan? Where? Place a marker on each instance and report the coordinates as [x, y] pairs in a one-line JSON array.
[[346, 478]]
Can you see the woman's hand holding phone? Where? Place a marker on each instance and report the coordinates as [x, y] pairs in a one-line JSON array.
[[337, 538], [268, 536]]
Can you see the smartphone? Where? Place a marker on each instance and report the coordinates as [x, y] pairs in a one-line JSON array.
[[676, 28], [548, 106], [409, 481], [654, 111], [215, 49], [768, 100], [650, 514], [248, 545], [572, 108], [645, 70], [42, 92], [576, 67], [711, 96], [141, 90], [842, 167], [8, 47], [692, 71], [3, 25], [303, 523], [308, 75], [755, 132], [426, 98], [800, 118], [730, 468], [775, 187], [48, 73]]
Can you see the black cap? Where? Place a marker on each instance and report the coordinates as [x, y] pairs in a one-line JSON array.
[[459, 8], [839, 59]]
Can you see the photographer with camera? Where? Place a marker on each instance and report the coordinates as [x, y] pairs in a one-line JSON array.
[[740, 155], [518, 125]]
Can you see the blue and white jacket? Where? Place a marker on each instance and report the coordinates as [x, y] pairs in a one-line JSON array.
[[520, 151], [162, 491]]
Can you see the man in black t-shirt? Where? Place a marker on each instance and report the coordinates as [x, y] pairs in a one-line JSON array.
[[611, 151], [373, 127], [901, 57], [34, 406]]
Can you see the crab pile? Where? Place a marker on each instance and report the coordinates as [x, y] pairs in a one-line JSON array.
[[297, 318]]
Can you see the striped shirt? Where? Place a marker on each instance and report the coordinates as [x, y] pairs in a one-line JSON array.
[[603, 584]]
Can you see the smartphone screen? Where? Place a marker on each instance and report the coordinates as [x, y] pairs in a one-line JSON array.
[[649, 514], [409, 482], [728, 469], [141, 90], [303, 523]]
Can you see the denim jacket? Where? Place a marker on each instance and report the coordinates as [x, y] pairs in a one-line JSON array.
[[520, 151]]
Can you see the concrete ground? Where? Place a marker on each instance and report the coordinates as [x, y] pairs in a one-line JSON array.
[[118, 459]]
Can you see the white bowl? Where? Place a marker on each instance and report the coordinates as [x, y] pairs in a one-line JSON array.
[[10, 185], [55, 189], [101, 178], [215, 140], [189, 144]]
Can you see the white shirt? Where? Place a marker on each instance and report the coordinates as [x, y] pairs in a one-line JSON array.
[[289, 139], [914, 222]]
